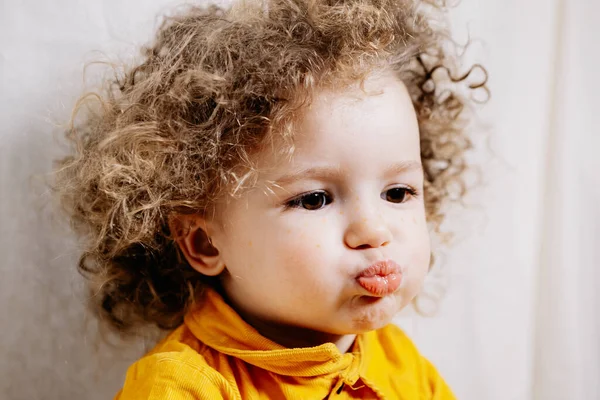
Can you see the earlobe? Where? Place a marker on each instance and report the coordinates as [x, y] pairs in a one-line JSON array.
[[191, 235]]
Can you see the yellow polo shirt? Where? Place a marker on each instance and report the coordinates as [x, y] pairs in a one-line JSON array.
[[217, 355]]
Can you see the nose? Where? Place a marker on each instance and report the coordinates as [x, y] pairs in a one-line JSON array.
[[367, 231]]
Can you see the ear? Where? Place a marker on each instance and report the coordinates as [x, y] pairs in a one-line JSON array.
[[192, 236]]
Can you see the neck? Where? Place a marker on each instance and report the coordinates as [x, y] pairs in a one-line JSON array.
[[296, 337], [288, 335]]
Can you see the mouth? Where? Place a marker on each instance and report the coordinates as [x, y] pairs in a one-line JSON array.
[[381, 279]]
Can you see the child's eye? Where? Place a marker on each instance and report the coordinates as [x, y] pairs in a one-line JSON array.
[[311, 201], [398, 194]]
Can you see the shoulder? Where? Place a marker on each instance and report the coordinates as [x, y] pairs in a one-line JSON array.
[[174, 370], [402, 355], [394, 341]]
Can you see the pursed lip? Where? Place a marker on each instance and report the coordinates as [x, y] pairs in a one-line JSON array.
[[381, 278]]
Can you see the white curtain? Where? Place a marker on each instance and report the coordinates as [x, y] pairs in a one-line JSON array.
[[567, 337], [520, 318]]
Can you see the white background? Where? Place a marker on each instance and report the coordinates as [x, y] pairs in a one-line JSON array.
[[521, 316]]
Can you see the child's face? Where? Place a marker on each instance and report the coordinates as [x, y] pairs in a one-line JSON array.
[[294, 260]]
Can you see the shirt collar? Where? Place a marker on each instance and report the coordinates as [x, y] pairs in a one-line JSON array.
[[220, 327]]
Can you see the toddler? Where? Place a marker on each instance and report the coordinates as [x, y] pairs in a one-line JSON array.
[[262, 186]]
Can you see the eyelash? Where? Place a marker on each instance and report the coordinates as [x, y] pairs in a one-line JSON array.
[[297, 202]]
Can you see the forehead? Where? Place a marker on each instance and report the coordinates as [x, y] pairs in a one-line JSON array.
[[353, 127], [383, 106]]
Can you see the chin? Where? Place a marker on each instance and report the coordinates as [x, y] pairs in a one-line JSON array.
[[368, 326], [355, 326], [374, 313]]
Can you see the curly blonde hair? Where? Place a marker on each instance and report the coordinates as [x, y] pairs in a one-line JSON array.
[[177, 131]]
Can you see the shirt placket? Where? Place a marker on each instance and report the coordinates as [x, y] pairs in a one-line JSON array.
[[347, 379]]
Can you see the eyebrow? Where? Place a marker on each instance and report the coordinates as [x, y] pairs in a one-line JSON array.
[[333, 172], [403, 167]]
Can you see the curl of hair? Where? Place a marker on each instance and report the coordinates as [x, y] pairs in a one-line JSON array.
[[176, 131]]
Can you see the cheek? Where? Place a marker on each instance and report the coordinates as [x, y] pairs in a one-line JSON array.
[[419, 243], [305, 245], [422, 258], [293, 248]]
